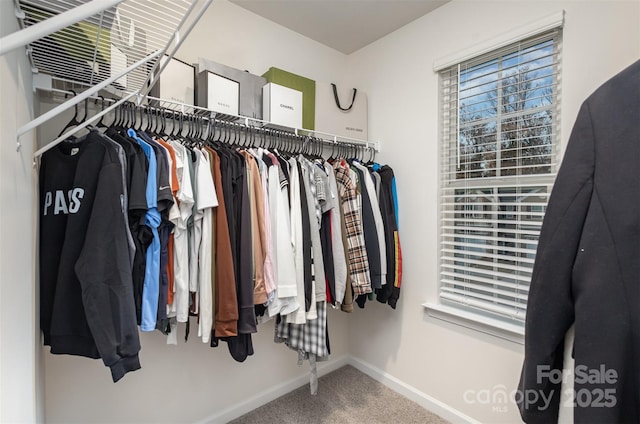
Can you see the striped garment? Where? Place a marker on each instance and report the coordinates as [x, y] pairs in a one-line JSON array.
[[357, 253], [307, 339]]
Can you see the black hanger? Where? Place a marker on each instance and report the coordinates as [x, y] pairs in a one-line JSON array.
[[144, 119], [130, 116], [100, 123], [162, 113], [211, 130], [149, 127], [86, 112], [180, 125], [74, 121], [116, 117], [174, 126]]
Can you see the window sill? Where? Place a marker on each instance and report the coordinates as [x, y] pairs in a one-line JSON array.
[[470, 320]]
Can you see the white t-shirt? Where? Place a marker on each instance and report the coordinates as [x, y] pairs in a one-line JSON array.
[[206, 201], [180, 306]]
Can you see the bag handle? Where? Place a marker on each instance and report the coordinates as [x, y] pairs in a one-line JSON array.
[[335, 96]]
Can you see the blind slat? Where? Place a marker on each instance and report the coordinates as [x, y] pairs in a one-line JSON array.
[[477, 213], [490, 276], [493, 290], [461, 246], [492, 299], [517, 232], [488, 255], [495, 263], [531, 225]]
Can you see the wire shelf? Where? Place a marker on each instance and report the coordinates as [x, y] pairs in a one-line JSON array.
[[106, 43]]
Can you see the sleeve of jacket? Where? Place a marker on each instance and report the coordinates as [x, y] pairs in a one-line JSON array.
[[105, 278], [550, 309]]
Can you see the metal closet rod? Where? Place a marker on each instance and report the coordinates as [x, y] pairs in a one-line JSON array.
[[207, 116]]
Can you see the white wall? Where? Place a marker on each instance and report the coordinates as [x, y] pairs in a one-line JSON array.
[[18, 385], [438, 358], [236, 37], [188, 383]]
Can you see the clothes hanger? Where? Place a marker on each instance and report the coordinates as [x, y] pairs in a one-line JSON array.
[[261, 135], [132, 116], [116, 118], [135, 123], [151, 116], [201, 130], [146, 119], [273, 141], [100, 123], [197, 129], [180, 127], [122, 117], [86, 114], [186, 121], [317, 148], [243, 137], [236, 138], [211, 137], [174, 125], [227, 133], [162, 116], [74, 120], [157, 124]]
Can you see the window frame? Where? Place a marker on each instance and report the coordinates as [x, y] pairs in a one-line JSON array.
[[460, 314]]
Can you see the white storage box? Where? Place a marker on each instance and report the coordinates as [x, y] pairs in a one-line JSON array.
[[176, 83], [282, 105], [219, 94]]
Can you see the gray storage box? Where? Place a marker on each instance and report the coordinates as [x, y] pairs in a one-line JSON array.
[[250, 86]]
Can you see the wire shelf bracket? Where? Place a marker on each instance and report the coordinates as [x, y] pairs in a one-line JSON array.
[[42, 29], [104, 44]]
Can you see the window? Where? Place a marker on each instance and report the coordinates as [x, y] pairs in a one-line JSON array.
[[499, 133]]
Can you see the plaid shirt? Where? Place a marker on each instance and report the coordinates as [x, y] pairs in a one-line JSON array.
[[307, 339], [357, 258]]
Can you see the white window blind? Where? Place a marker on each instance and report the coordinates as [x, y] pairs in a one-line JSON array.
[[499, 133]]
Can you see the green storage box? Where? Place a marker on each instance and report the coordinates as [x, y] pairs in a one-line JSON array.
[[296, 82]]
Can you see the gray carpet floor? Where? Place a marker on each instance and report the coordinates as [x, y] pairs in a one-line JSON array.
[[345, 396]]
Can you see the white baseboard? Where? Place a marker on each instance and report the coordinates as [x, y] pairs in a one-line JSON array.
[[427, 402], [272, 393]]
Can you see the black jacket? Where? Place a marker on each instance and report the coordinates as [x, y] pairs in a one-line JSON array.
[[587, 269]]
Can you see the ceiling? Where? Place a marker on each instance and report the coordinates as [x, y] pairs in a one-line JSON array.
[[345, 25]]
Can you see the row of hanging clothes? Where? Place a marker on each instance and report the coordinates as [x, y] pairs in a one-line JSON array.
[[214, 225]]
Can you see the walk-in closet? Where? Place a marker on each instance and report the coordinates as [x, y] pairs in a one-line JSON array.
[[318, 208]]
